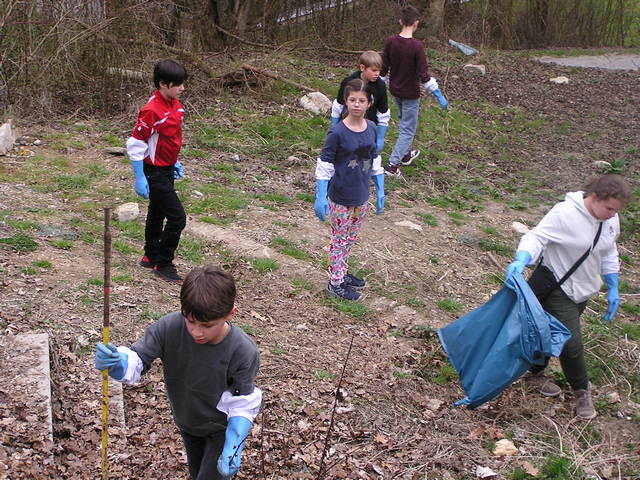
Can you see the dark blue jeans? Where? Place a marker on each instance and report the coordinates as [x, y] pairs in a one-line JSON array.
[[572, 361], [202, 455], [160, 239]]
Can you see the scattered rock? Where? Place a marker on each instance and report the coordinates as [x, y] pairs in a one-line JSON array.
[[293, 161], [602, 165], [559, 80], [410, 225], [484, 472], [505, 448], [613, 397], [54, 231], [198, 194], [126, 211], [37, 142], [235, 157], [480, 68], [316, 102], [7, 137], [116, 151], [434, 404], [519, 227]]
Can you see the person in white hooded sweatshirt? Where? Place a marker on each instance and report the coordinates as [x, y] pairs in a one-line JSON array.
[[561, 238]]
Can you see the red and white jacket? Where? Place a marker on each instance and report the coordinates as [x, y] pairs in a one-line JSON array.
[[157, 137]]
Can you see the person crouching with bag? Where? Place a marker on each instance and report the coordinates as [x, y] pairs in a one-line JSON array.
[[576, 242]]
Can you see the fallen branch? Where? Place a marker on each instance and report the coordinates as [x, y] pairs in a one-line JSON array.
[[321, 472], [243, 40], [493, 260], [275, 76]]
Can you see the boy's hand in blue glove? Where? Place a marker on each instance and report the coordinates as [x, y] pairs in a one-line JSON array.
[[321, 205], [382, 131], [237, 431], [141, 185], [108, 357], [178, 170], [520, 262], [378, 181], [613, 296]]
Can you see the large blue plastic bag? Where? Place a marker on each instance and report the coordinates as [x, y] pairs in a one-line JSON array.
[[493, 345]]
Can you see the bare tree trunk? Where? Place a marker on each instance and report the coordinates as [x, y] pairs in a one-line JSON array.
[[435, 17]]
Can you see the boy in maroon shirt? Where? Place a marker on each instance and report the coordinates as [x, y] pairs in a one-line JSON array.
[[406, 63], [153, 150]]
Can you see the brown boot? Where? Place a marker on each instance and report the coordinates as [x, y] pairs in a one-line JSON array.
[[542, 384], [584, 405]]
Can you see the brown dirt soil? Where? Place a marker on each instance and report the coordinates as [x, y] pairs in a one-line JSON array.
[[394, 419]]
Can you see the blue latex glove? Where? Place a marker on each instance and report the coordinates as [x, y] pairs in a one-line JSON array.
[[321, 205], [382, 131], [335, 121], [178, 170], [613, 297], [440, 97], [385, 79], [237, 431], [109, 357], [520, 262], [141, 185], [378, 181]]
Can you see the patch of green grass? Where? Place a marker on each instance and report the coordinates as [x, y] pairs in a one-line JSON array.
[[122, 279], [428, 219], [219, 201], [28, 270], [353, 309], [112, 140], [124, 247], [301, 283], [192, 249], [150, 315], [263, 265], [631, 330], [72, 183], [626, 259], [249, 330], [492, 245], [274, 197], [450, 305], [97, 282], [131, 229], [289, 248], [323, 374], [630, 308], [457, 218], [19, 242], [557, 467], [306, 197], [193, 153], [45, 264], [61, 243], [493, 279], [490, 231], [21, 225], [415, 302]]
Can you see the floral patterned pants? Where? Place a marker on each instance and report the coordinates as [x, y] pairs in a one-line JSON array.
[[345, 225]]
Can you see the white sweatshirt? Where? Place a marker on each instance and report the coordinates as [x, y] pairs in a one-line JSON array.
[[562, 237]]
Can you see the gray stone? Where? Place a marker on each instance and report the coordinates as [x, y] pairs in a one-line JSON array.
[[7, 137], [316, 102], [126, 212], [116, 151], [480, 68], [55, 231], [37, 143], [561, 80], [602, 165]]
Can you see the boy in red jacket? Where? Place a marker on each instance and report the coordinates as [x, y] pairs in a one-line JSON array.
[[153, 150]]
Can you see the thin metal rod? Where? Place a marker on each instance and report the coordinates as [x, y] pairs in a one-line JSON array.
[[105, 340]]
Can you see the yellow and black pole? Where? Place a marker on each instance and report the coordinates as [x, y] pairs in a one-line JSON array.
[[105, 340]]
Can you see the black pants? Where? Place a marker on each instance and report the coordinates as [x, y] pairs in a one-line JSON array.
[[160, 239], [202, 455]]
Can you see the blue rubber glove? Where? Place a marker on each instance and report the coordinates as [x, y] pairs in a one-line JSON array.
[[178, 170], [335, 121], [613, 297], [141, 185], [321, 205], [520, 262], [237, 431], [378, 181], [382, 131], [385, 79], [109, 357], [440, 97]]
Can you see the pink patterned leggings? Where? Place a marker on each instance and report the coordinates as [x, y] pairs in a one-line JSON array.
[[345, 225]]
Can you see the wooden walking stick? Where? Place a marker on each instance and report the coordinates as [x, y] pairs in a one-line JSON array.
[[105, 340]]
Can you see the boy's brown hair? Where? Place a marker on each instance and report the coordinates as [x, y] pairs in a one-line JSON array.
[[609, 186], [369, 59], [409, 15], [208, 293]]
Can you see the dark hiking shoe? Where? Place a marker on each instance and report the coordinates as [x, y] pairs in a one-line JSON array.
[[146, 263], [343, 291], [584, 405], [410, 157], [168, 273], [392, 170], [542, 384], [354, 282]]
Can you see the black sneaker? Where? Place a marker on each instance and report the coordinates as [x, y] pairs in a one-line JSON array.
[[146, 263], [168, 273], [343, 291], [410, 157], [392, 170], [354, 282]]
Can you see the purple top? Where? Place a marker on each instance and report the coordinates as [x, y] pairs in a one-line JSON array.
[[407, 65]]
